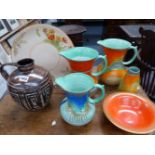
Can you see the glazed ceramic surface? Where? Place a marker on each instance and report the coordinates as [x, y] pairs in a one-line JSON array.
[[82, 59], [130, 112], [29, 85], [78, 107], [95, 78], [131, 80], [42, 43], [115, 50]]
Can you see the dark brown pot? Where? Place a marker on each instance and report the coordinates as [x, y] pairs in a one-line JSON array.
[[29, 85]]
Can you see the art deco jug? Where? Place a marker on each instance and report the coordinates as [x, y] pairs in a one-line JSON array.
[[82, 59], [29, 85], [131, 80], [78, 108], [115, 50]]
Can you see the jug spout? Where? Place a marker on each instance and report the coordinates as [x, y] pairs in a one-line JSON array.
[[99, 42], [61, 82], [65, 54]]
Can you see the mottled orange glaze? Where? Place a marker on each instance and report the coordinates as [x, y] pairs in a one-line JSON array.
[[114, 73], [114, 55], [130, 83]]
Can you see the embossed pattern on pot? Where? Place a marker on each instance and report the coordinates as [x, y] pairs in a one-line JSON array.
[[29, 85]]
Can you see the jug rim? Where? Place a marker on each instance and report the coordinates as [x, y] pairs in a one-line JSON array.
[[118, 43], [134, 69], [91, 85], [95, 52]]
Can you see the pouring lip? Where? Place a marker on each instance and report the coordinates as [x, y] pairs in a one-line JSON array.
[[95, 52], [116, 40], [79, 91]]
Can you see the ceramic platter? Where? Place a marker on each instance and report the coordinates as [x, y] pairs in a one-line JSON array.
[[42, 43], [130, 112]]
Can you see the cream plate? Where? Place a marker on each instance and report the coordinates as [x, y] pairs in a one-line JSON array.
[[42, 43]]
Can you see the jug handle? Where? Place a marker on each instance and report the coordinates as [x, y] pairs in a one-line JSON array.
[[4, 72], [104, 58], [134, 48], [96, 100]]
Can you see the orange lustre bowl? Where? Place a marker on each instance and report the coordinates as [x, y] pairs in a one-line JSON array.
[[130, 112]]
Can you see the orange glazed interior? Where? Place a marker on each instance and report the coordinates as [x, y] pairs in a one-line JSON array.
[[130, 111]]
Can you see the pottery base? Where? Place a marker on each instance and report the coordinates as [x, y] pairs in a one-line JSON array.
[[76, 119]]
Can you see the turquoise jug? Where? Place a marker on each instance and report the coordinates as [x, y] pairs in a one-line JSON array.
[[78, 108]]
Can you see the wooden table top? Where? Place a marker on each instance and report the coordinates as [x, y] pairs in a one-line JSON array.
[[16, 121], [133, 30]]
